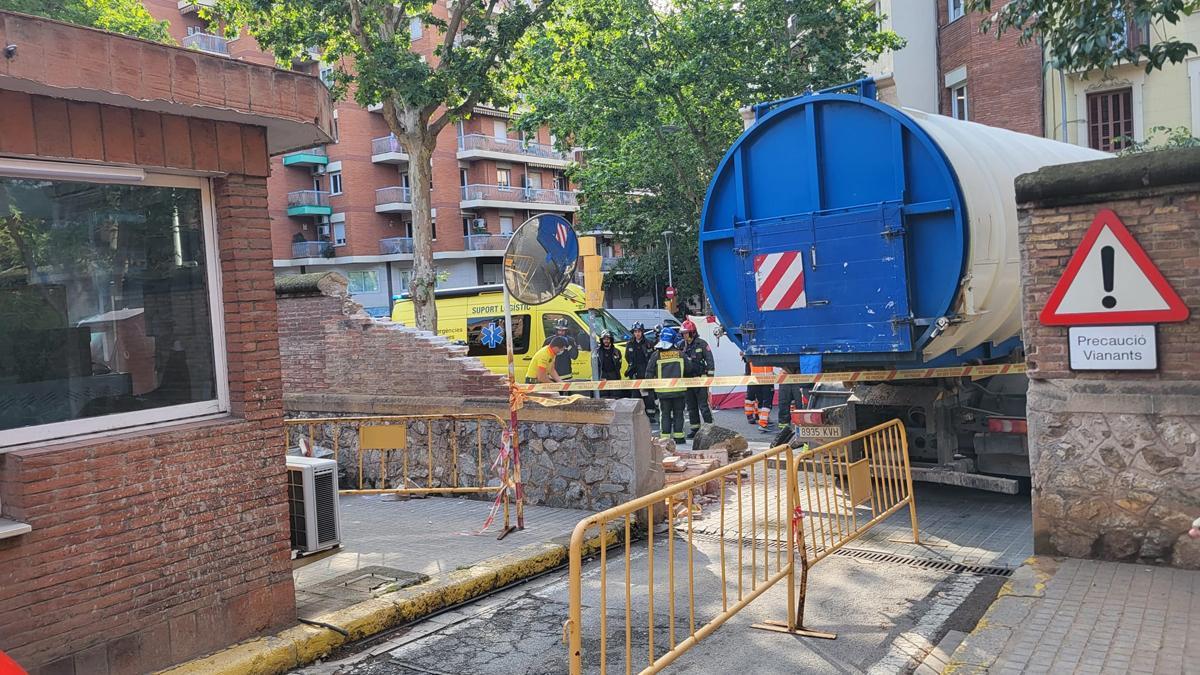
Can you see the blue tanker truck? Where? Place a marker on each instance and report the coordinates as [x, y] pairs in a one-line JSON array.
[[840, 233]]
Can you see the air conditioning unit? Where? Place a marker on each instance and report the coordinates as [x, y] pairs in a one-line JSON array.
[[313, 504], [480, 223], [318, 170]]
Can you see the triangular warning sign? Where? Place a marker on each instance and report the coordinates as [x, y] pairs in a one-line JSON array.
[[1111, 280]]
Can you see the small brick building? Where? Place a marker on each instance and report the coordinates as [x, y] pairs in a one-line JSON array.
[[143, 515], [1114, 455]]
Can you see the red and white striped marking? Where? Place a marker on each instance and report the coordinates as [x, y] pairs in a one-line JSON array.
[[779, 280], [561, 235]]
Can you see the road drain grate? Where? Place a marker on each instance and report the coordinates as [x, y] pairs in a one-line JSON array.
[[924, 563], [873, 556]]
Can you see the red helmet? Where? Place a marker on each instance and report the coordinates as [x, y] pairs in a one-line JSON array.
[[689, 326]]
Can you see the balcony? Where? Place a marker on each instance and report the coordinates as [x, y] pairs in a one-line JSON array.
[[487, 242], [190, 6], [478, 146], [609, 264], [309, 203], [505, 197], [206, 42], [396, 246], [387, 150], [393, 200], [307, 158], [311, 249]]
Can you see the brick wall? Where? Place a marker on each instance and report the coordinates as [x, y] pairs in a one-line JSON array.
[[1115, 456], [152, 547], [1004, 79], [328, 345]]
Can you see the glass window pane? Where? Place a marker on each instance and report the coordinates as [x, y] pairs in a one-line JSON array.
[[104, 301], [485, 335]]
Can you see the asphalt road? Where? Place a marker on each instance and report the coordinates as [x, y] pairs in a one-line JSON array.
[[887, 614]]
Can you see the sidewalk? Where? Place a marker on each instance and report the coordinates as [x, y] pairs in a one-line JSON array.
[[1087, 616], [394, 544]]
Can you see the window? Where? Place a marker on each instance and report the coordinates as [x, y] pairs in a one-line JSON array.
[[490, 273], [317, 187], [415, 28], [326, 74], [332, 230], [485, 335], [958, 101], [403, 277], [500, 130], [462, 177], [956, 9], [109, 306], [576, 331], [363, 281], [1110, 119], [504, 177], [335, 182], [560, 181], [606, 321], [403, 179], [506, 225]]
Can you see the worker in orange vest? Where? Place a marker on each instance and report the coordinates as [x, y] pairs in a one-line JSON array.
[[759, 397]]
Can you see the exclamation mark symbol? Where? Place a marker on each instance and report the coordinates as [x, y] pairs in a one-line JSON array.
[[1106, 266]]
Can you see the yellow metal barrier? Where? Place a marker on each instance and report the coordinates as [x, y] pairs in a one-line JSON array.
[[433, 461], [771, 508]]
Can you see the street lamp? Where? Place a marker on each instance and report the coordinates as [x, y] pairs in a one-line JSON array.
[[667, 238]]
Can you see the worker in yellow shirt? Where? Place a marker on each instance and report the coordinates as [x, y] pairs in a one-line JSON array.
[[541, 367]]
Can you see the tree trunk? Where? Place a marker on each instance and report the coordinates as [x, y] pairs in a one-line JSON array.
[[424, 276]]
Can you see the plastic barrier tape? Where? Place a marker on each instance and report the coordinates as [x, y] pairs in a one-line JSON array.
[[738, 380]]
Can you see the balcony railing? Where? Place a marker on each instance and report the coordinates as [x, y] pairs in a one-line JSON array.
[[308, 198], [206, 42], [388, 150], [487, 242], [510, 146], [388, 197], [609, 264], [396, 245], [501, 193], [189, 6], [311, 249]]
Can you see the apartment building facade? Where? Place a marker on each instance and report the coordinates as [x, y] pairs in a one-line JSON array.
[[347, 206]]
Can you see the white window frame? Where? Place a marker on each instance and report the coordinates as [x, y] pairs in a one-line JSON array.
[[500, 130], [374, 275], [119, 423], [507, 184], [952, 15], [416, 28], [335, 180], [966, 101], [337, 223]]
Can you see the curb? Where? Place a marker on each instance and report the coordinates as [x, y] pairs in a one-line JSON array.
[[1013, 604], [303, 644]]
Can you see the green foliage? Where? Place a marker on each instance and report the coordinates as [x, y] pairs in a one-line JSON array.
[[369, 43], [1093, 34], [1160, 138], [651, 91], [128, 17]]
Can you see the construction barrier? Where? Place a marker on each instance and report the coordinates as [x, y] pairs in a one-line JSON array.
[[446, 457], [778, 513], [741, 380]]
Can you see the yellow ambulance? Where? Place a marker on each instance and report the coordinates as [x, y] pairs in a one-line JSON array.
[[475, 316]]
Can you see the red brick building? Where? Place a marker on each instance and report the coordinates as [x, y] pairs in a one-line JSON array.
[[143, 512], [346, 205], [985, 80]]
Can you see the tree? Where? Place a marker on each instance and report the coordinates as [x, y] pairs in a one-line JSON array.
[[370, 44], [1092, 34], [128, 17], [651, 92]]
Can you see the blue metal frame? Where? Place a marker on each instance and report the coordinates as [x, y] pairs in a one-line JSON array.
[[856, 183]]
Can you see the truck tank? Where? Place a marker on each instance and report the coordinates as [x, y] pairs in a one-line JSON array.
[[872, 236], [861, 236]]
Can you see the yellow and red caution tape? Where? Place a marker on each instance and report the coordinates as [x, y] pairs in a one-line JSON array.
[[739, 380]]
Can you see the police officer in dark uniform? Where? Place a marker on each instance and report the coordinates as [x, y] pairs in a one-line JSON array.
[[697, 362], [565, 358]]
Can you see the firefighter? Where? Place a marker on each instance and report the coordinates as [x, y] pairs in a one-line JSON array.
[[637, 355], [666, 362], [608, 359], [697, 362], [759, 397], [565, 357]]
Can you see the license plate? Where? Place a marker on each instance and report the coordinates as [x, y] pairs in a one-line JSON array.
[[823, 431]]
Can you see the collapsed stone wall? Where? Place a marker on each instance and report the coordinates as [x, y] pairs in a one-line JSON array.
[[1114, 455]]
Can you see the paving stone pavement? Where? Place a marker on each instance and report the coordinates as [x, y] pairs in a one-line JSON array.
[[1088, 617], [425, 536]]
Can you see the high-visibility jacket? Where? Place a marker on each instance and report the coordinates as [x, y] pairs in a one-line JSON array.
[[666, 364]]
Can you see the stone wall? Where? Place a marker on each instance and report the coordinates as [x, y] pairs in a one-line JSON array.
[[593, 454], [1114, 455]]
